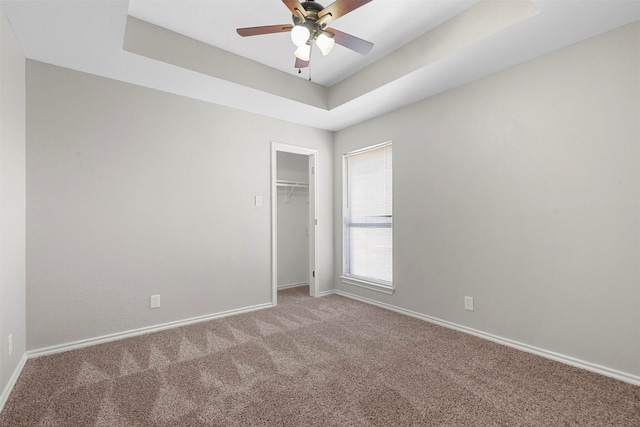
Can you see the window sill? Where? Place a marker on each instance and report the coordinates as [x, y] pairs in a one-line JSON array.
[[368, 284]]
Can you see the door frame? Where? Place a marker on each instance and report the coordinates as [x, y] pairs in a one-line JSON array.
[[312, 222]]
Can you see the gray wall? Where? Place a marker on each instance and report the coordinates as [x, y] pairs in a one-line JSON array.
[[133, 192], [293, 220], [521, 190], [12, 201]]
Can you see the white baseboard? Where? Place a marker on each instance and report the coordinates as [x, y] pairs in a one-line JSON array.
[[141, 331], [325, 293], [292, 285], [623, 376], [12, 381]]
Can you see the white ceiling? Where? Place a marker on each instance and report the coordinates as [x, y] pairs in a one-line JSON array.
[[386, 23], [88, 36]]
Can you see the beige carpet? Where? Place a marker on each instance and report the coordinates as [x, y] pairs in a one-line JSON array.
[[325, 361]]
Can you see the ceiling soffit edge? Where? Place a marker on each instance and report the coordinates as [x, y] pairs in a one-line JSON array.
[[480, 21], [152, 41]]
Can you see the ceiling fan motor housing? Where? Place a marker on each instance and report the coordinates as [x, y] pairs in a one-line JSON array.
[[312, 5], [311, 8]]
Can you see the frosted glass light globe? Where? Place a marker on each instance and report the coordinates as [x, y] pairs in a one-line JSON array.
[[299, 35], [325, 43], [303, 52]]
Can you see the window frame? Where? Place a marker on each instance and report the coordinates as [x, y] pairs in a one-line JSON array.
[[350, 279]]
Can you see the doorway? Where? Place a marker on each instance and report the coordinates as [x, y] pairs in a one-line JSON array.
[[293, 218]]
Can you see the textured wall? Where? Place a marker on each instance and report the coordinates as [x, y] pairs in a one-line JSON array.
[[134, 192], [522, 190], [12, 201]]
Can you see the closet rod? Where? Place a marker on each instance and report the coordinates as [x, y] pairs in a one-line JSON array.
[[281, 183]]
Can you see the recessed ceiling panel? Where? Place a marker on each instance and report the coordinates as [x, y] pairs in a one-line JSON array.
[[388, 24]]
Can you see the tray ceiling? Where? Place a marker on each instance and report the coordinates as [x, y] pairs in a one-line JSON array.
[[418, 50]]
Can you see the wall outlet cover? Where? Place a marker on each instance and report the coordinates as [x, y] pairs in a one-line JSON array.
[[154, 301], [468, 303]]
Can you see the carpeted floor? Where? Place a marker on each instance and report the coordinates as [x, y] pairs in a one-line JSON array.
[[325, 361]]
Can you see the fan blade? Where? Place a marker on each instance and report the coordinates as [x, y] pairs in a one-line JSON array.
[[301, 64], [268, 29], [294, 5], [351, 42], [339, 8]]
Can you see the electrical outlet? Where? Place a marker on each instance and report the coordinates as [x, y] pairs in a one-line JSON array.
[[10, 343], [468, 303], [154, 301]]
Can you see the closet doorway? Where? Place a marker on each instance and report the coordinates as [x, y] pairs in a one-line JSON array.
[[293, 218]]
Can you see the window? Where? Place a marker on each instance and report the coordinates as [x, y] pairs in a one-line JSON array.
[[368, 219]]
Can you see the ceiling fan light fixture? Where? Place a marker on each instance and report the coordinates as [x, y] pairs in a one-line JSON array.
[[300, 35], [325, 42], [310, 20], [303, 52]]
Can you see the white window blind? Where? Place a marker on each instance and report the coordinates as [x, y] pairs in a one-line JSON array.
[[368, 215]]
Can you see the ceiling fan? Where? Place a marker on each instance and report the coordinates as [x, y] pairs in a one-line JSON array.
[[310, 20]]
